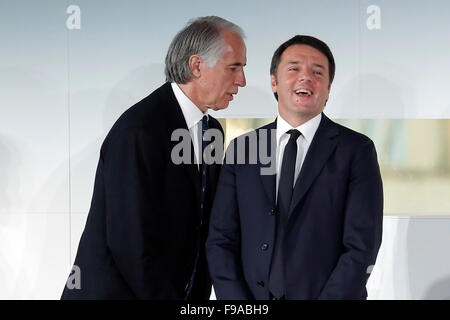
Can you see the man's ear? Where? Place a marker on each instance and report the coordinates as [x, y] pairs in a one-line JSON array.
[[195, 62], [273, 83]]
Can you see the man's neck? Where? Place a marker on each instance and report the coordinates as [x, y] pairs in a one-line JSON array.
[[192, 93], [296, 120]]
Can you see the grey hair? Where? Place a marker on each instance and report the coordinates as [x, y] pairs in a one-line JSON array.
[[201, 37]]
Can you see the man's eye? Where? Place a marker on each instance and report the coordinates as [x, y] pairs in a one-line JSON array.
[[293, 69], [318, 72]]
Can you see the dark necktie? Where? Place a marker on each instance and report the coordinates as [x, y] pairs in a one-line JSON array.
[[203, 167], [202, 199], [285, 188]]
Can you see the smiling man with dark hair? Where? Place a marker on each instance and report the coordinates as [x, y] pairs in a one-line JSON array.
[[313, 229]]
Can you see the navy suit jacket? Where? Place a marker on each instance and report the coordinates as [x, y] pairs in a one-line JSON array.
[[144, 229], [333, 232]]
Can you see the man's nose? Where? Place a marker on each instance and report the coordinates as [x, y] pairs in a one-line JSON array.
[[240, 79], [305, 75]]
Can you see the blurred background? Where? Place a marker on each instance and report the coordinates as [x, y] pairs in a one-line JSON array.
[[68, 69]]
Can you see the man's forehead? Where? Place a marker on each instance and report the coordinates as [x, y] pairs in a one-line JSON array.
[[234, 58], [235, 54], [301, 52]]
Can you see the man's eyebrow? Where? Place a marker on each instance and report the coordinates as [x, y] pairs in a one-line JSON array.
[[319, 66], [314, 65], [237, 64]]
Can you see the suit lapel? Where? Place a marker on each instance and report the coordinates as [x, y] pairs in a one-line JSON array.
[[268, 181], [318, 153], [176, 121]]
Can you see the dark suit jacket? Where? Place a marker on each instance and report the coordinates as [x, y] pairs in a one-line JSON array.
[[143, 229], [333, 232]]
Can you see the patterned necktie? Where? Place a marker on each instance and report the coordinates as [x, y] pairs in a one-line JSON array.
[[203, 167], [202, 199]]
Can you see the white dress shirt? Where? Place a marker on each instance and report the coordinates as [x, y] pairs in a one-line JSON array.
[[193, 116], [308, 130]]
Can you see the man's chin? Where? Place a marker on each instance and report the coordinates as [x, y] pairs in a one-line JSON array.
[[305, 108], [304, 111], [220, 107]]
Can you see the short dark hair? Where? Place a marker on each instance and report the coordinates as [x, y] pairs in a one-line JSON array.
[[305, 40]]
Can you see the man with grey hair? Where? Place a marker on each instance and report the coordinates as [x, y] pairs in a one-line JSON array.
[[148, 222]]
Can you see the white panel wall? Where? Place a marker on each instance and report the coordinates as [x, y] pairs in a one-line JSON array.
[[34, 150], [413, 262]]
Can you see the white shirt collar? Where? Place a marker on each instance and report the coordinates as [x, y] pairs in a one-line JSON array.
[[308, 129], [192, 114]]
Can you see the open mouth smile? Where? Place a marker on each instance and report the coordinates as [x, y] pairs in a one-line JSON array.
[[304, 92]]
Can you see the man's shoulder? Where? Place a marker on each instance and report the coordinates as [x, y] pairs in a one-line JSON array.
[[249, 147], [348, 137], [148, 111], [149, 115], [351, 135], [265, 130]]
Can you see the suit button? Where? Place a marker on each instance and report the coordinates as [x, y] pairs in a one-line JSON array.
[[272, 212], [264, 247], [260, 283]]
